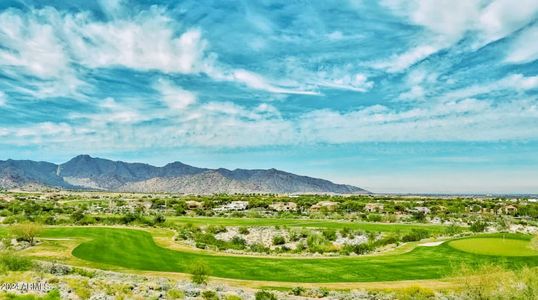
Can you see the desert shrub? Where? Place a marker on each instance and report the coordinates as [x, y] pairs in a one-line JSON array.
[[243, 230], [175, 294], [260, 248], [12, 262], [278, 240], [452, 230], [415, 293], [215, 229], [159, 219], [83, 272], [329, 234], [387, 240], [232, 297], [200, 272], [358, 248], [374, 217], [478, 226], [265, 295], [416, 235], [345, 232], [238, 243], [297, 291], [210, 295]]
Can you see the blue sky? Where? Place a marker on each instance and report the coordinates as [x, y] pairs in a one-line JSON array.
[[393, 96]]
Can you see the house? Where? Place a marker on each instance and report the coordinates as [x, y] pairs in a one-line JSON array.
[[373, 207], [233, 206], [508, 210], [328, 205], [283, 206], [193, 204], [422, 209]]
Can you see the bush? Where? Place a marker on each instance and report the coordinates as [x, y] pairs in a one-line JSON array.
[[259, 248], [416, 293], [478, 226], [243, 230], [297, 291], [210, 295], [374, 217], [278, 240], [265, 295], [215, 229], [416, 235], [329, 234], [238, 243], [159, 219], [12, 262], [175, 294], [452, 230], [83, 272], [200, 272]]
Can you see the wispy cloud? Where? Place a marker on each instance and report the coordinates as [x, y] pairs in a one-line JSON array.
[[524, 48], [446, 23]]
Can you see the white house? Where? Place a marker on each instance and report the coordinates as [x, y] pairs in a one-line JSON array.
[[234, 205]]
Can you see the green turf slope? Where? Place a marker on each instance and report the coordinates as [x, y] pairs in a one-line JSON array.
[[136, 249]]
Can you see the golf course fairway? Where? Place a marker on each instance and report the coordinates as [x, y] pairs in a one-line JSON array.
[[136, 249]]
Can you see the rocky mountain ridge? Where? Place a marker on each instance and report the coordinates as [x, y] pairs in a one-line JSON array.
[[89, 173]]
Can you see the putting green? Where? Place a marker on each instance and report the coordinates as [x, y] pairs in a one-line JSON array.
[[136, 249], [494, 246]]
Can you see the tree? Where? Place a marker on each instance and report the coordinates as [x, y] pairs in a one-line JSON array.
[[200, 272], [26, 231]]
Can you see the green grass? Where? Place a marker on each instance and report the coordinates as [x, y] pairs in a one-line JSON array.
[[332, 224], [135, 249], [494, 246]]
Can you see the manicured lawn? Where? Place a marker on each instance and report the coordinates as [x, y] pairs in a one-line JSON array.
[[494, 246], [135, 249], [377, 227]]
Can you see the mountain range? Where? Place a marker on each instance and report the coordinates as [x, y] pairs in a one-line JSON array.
[[84, 172]]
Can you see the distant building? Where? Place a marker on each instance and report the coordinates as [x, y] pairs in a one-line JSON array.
[[328, 205], [508, 210], [283, 206], [422, 209], [374, 207], [233, 206]]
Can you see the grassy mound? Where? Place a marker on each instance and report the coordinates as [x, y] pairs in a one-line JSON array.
[[496, 246]]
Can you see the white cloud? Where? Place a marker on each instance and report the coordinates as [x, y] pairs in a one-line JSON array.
[[224, 124], [45, 43], [420, 82], [503, 17], [341, 79], [111, 112], [524, 48], [3, 99], [256, 81], [32, 53], [174, 96], [514, 82], [446, 22], [402, 61]]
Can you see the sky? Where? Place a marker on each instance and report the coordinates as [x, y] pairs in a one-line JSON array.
[[395, 96]]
